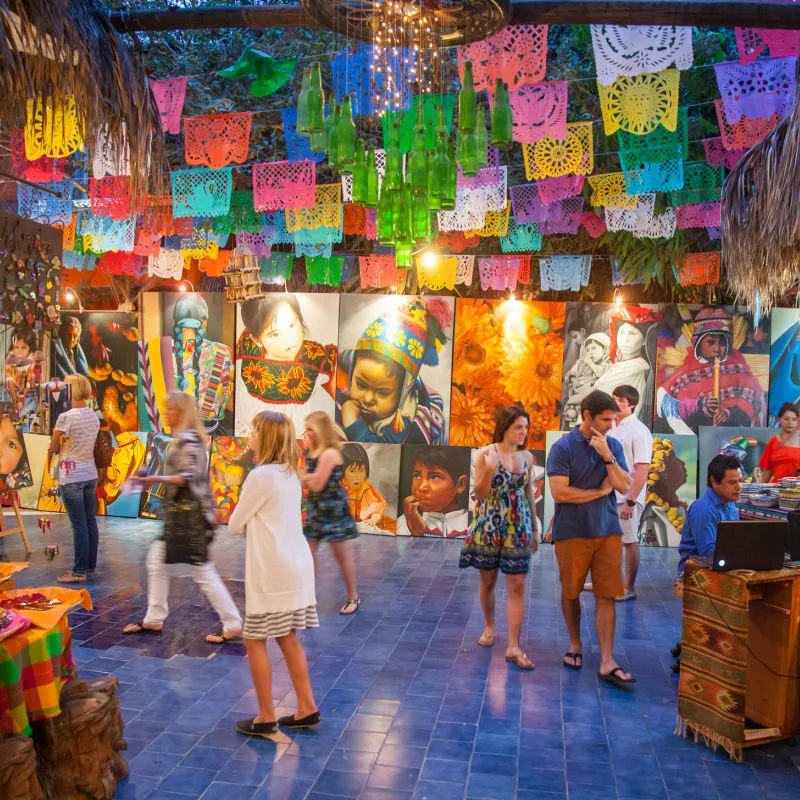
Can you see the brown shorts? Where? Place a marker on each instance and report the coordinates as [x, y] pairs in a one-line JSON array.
[[602, 555]]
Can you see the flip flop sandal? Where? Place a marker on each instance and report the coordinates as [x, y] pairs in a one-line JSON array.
[[223, 638], [303, 722], [521, 660], [249, 727], [69, 578], [139, 627], [486, 641], [614, 678], [577, 660], [350, 608]]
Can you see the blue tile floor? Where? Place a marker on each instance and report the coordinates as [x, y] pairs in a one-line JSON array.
[[412, 706]]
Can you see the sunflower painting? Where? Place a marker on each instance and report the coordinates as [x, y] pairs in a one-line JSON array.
[[504, 352]]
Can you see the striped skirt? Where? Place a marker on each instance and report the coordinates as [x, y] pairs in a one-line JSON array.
[[274, 625]]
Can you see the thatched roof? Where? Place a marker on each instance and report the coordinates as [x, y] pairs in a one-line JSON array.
[[67, 48], [761, 216]]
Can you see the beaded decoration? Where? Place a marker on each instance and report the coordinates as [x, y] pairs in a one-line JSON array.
[[167, 264], [717, 156], [564, 273], [241, 216], [520, 238], [517, 55], [751, 43], [464, 270], [217, 140], [648, 177], [439, 275], [552, 189], [282, 184], [609, 191], [757, 90], [42, 170], [327, 271], [39, 206], [701, 183], [499, 273], [539, 111], [745, 133], [277, 268], [169, 96], [659, 145], [298, 147], [110, 196], [698, 269], [55, 132], [639, 104], [552, 158], [201, 192], [103, 234], [618, 279], [377, 272], [639, 49], [594, 225], [259, 243], [110, 157], [326, 211], [698, 215], [495, 223]]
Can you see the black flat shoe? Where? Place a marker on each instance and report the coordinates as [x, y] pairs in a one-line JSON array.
[[249, 727], [303, 722]]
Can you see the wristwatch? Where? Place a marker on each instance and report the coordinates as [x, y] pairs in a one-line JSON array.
[[611, 460], [630, 502]]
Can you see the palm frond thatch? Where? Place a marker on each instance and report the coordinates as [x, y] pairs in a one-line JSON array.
[[67, 48]]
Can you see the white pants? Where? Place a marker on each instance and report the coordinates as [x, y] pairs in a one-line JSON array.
[[204, 575], [630, 527]]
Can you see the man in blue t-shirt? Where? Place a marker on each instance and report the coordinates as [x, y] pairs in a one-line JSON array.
[[585, 468]]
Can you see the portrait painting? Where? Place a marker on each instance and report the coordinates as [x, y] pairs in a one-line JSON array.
[[746, 443], [230, 463], [155, 463], [285, 356], [713, 369], [15, 470], [606, 346], [393, 378], [784, 360], [370, 480], [116, 496], [26, 368], [36, 448], [505, 352], [187, 346], [49, 494]]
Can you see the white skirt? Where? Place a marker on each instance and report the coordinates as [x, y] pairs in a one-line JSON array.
[[276, 624]]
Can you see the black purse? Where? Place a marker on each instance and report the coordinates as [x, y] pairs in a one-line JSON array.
[[186, 530]]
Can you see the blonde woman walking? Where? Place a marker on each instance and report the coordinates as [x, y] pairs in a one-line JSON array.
[[186, 466], [279, 572], [328, 516]]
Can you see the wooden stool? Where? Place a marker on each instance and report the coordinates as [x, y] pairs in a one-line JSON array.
[[4, 531]]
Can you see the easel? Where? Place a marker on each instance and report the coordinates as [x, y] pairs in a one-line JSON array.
[[4, 531]]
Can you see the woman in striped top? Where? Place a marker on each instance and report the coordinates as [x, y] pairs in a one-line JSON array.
[[279, 572]]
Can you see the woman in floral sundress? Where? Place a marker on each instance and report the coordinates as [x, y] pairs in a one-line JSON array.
[[504, 532], [328, 513]]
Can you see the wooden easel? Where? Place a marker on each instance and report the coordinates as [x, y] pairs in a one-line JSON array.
[[4, 531]]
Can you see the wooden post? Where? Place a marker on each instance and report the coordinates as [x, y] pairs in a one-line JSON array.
[[4, 531]]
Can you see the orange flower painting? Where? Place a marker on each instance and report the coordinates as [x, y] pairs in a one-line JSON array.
[[504, 352]]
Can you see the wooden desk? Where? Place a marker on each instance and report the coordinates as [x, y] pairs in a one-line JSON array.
[[740, 659]]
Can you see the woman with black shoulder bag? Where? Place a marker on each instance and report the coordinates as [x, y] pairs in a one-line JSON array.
[[189, 523]]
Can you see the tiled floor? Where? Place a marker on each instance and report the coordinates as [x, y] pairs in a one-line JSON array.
[[412, 707]]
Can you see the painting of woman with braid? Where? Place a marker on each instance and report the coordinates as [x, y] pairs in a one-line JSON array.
[[187, 360]]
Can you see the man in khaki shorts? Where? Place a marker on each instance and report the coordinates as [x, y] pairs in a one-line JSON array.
[[637, 444], [584, 469]]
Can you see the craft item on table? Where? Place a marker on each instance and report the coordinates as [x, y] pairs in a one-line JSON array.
[[201, 192], [658, 176], [81, 263], [757, 90], [495, 223], [564, 273], [552, 158], [698, 269], [50, 130], [51, 551], [217, 140], [751, 43], [355, 74], [437, 275], [701, 184], [659, 145], [488, 176], [326, 211], [241, 216], [639, 49], [430, 114], [594, 225], [516, 55], [12, 623], [639, 104], [499, 273], [103, 234], [354, 220], [46, 606], [609, 191], [266, 73], [42, 170], [745, 133], [117, 263], [552, 189], [618, 279], [298, 148], [259, 243], [377, 272], [110, 196], [326, 271], [539, 110], [282, 184], [167, 264], [39, 206], [111, 154], [169, 96], [718, 156], [520, 237], [277, 268], [698, 215]]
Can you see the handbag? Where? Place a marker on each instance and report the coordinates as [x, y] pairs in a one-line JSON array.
[[103, 449], [186, 530]]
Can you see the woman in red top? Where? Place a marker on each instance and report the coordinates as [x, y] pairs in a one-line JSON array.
[[781, 457]]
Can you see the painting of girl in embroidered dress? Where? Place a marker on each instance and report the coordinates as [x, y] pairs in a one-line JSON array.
[[26, 370], [393, 382], [187, 347], [704, 379], [285, 357], [15, 471], [631, 333]]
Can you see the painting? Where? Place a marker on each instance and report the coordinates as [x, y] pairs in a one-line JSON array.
[[49, 495], [393, 378], [26, 369], [371, 477], [15, 470], [548, 505], [746, 443], [103, 346], [606, 346], [671, 489], [434, 491], [155, 462], [187, 346], [36, 447], [230, 463], [784, 360], [285, 356], [116, 497], [504, 352], [713, 369]]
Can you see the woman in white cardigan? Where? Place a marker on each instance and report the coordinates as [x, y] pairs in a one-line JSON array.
[[279, 572]]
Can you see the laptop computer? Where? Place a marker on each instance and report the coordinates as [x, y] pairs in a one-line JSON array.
[[758, 545]]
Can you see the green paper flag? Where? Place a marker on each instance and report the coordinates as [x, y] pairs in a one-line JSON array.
[[267, 74]]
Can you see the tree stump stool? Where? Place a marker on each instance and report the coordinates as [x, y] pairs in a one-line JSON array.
[[18, 779]]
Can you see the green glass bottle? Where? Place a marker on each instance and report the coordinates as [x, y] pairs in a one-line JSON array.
[[321, 139], [402, 254], [418, 159], [316, 102], [372, 179], [469, 154], [502, 125], [448, 200], [401, 214], [420, 217], [384, 221], [347, 137], [302, 104], [333, 138], [393, 177], [482, 138], [467, 102], [360, 174]]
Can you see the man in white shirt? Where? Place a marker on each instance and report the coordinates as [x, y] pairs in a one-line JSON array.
[[637, 442]]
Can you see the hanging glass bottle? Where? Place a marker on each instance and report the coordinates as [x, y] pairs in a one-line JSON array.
[[372, 179], [333, 138], [502, 126], [401, 214], [347, 137], [467, 102], [360, 174], [302, 104], [384, 227], [418, 158], [321, 139], [482, 138], [316, 102], [402, 255]]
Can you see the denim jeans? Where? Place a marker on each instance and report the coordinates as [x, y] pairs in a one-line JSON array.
[[80, 501]]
